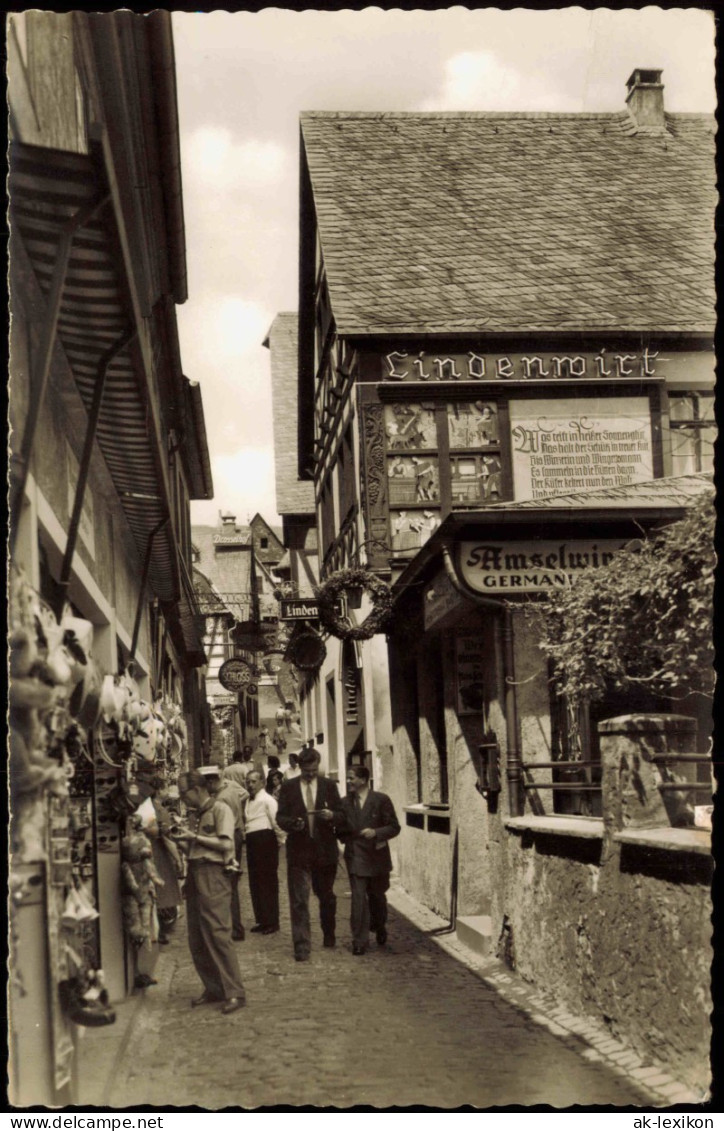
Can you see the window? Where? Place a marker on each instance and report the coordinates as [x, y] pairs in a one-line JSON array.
[[692, 432], [264, 543]]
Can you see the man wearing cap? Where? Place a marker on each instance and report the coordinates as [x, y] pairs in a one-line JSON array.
[[209, 845], [307, 808]]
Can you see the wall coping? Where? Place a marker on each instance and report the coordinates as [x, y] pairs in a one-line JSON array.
[[588, 828], [673, 840], [638, 724]]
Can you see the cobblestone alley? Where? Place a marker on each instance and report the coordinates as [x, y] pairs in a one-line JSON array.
[[401, 1026]]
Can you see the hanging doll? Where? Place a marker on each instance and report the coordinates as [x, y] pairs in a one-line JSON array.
[[139, 880]]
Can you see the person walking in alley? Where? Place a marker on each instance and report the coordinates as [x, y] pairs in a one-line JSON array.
[[208, 844], [308, 806], [263, 837], [368, 822]]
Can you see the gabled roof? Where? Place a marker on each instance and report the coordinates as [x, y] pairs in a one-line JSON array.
[[517, 222]]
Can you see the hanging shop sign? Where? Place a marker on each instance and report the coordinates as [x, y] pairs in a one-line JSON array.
[[531, 567], [234, 674], [580, 445], [604, 365], [469, 683], [298, 608], [224, 700]]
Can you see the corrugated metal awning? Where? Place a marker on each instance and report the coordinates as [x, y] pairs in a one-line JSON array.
[[47, 188]]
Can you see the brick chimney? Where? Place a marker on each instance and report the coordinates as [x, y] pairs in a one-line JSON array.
[[227, 518], [645, 98]]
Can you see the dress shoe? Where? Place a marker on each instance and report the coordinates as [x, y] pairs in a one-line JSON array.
[[239, 936], [359, 949], [269, 930], [303, 956], [330, 941], [232, 1004], [204, 999], [381, 936], [163, 940], [257, 929]]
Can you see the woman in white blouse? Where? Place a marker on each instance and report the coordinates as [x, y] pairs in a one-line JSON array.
[[263, 837]]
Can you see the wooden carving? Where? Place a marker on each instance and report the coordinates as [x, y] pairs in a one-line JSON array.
[[375, 481]]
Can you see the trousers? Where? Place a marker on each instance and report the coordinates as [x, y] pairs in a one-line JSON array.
[[236, 924], [208, 915], [301, 878], [369, 905], [262, 859]]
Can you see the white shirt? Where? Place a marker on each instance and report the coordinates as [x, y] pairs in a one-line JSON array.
[[261, 813], [310, 785]]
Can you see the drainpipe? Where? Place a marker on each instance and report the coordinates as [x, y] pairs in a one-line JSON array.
[[45, 354], [90, 435], [513, 761]]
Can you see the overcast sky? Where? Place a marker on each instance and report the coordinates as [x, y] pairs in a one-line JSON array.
[[243, 79]]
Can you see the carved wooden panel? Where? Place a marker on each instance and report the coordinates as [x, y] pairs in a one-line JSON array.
[[375, 482]]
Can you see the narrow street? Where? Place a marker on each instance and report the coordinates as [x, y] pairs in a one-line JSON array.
[[404, 1025]]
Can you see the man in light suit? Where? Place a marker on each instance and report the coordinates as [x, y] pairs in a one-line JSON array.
[[308, 807], [368, 822]]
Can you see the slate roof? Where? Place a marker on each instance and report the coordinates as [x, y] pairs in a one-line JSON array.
[[672, 491], [497, 222]]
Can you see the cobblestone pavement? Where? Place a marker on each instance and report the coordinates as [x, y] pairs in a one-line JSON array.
[[404, 1025]]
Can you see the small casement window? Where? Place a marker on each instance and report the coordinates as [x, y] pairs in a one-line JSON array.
[[692, 432], [264, 543]]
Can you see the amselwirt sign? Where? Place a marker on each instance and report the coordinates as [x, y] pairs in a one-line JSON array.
[[531, 567], [234, 674]]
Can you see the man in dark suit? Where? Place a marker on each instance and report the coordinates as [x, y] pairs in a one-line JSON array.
[[308, 807], [368, 823]]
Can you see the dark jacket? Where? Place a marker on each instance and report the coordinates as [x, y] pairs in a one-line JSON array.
[[368, 857], [301, 847]]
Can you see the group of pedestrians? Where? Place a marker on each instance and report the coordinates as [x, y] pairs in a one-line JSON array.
[[311, 817]]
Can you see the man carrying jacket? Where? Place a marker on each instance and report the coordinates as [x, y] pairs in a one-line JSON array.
[[367, 823]]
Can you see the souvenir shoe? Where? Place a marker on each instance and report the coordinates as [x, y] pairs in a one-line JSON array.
[[112, 699], [91, 1013], [73, 911], [77, 634]]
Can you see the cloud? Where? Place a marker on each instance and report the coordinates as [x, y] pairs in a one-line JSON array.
[[223, 163], [243, 484], [479, 80]]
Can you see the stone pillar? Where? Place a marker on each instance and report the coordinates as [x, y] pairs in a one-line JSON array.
[[632, 747]]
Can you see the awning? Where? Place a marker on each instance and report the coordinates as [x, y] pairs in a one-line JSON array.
[[47, 188], [647, 503]]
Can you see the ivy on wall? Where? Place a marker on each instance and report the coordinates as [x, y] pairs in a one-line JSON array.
[[645, 619]]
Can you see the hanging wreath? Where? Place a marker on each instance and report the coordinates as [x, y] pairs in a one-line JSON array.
[[307, 650], [328, 595]]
